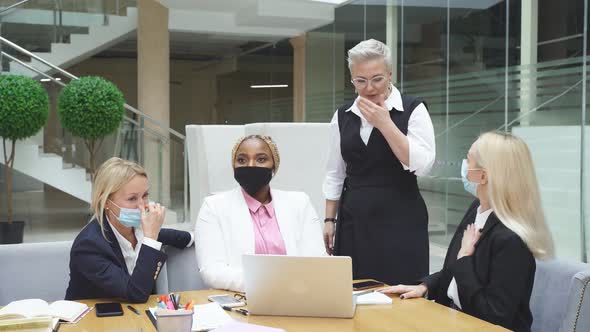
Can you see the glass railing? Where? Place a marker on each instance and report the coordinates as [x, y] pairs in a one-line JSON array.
[[38, 10], [37, 24], [140, 138], [541, 103]]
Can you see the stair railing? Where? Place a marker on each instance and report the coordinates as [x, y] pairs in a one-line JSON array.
[[141, 117]]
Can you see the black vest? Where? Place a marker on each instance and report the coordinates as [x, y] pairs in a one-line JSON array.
[[374, 164]]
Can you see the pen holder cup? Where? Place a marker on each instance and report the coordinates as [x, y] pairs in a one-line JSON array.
[[174, 320]]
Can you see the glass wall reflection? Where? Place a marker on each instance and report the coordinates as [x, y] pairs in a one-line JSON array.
[[481, 65]]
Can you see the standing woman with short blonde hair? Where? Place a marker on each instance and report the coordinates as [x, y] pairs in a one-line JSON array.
[[117, 255], [490, 265], [379, 144]]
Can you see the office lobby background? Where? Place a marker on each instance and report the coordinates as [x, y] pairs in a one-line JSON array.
[[482, 65]]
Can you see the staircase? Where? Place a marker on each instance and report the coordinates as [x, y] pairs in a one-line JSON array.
[[49, 168], [62, 36], [99, 36]]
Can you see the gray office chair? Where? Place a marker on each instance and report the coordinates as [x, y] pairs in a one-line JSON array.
[[34, 270], [180, 272], [561, 297]]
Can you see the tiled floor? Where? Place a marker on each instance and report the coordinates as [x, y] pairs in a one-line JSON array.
[[48, 216]]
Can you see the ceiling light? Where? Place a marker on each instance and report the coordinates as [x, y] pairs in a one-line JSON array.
[[268, 86], [335, 2]]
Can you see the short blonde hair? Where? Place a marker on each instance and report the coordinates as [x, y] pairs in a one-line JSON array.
[[274, 150], [110, 177], [369, 50], [513, 189]]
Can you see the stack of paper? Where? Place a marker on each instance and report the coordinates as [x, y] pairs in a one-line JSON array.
[[209, 316], [245, 327], [373, 298]]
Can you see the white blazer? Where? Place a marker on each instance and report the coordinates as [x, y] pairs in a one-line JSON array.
[[224, 232]]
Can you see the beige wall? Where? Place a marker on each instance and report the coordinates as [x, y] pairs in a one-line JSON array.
[[192, 97], [192, 100], [239, 104], [200, 93]]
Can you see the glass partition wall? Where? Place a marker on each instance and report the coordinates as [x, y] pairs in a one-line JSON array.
[[516, 66], [511, 65]]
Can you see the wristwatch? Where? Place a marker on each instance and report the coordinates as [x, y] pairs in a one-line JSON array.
[[330, 219]]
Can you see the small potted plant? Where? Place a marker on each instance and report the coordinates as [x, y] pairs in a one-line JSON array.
[[91, 108], [24, 107]]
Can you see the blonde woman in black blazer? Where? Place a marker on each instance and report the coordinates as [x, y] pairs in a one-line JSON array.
[[490, 266]]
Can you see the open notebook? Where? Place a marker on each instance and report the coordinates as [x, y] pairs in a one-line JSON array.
[[68, 311]]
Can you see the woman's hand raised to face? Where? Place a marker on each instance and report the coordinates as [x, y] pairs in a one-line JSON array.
[[406, 292], [470, 237], [375, 113], [151, 222]]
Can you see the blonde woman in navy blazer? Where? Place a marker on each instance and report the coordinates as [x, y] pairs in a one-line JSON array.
[[117, 255], [490, 265]]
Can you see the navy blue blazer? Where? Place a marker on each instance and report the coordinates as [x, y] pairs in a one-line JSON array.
[[495, 283], [98, 270]]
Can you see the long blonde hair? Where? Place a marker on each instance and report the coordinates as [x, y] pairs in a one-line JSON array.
[[513, 189], [111, 176]]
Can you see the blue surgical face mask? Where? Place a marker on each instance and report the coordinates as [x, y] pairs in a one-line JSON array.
[[128, 217], [470, 187]]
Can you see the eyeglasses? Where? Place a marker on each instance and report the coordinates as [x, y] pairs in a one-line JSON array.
[[240, 297], [361, 83], [465, 167]]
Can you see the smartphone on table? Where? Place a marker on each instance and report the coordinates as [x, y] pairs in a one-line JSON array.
[[108, 309], [226, 300], [360, 285]]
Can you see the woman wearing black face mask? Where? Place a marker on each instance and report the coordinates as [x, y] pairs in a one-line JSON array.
[[253, 219]]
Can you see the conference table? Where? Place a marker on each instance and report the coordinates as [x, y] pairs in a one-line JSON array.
[[401, 315]]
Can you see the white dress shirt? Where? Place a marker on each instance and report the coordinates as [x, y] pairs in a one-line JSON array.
[[480, 222], [421, 143], [130, 254]]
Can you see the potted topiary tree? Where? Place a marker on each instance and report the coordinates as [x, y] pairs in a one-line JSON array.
[[24, 107], [91, 108]]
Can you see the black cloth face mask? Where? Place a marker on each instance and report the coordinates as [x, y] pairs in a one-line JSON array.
[[252, 179]]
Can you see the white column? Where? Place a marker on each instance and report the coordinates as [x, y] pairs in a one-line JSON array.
[[528, 57], [299, 65], [392, 31], [153, 92]]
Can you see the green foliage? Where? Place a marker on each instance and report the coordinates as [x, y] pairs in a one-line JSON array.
[[91, 107], [24, 107]]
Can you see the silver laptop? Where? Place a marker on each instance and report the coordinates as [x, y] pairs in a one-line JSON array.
[[299, 286]]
